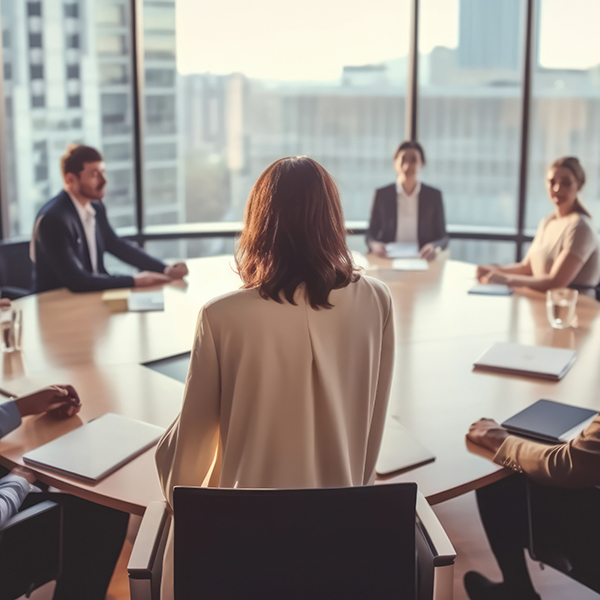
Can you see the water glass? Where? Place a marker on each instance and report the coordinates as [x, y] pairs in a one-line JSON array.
[[560, 307], [11, 329]]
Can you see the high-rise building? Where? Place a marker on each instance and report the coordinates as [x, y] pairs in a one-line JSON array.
[[490, 32]]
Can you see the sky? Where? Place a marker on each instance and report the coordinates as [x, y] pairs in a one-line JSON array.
[[314, 39]]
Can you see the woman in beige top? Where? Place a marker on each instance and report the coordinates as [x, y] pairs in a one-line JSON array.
[[565, 249], [289, 377]]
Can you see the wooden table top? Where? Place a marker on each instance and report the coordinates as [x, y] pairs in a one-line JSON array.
[[440, 332]]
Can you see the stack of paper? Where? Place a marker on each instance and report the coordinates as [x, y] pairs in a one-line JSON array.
[[146, 301], [402, 250], [410, 264]]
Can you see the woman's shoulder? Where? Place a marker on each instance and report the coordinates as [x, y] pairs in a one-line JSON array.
[[372, 287], [231, 302]]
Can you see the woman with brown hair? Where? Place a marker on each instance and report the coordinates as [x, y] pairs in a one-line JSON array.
[[289, 377], [565, 249]]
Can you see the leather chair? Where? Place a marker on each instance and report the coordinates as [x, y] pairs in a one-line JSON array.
[[15, 269], [379, 542], [31, 551]]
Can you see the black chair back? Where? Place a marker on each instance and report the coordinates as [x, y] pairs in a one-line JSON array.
[[564, 530], [350, 543], [15, 269], [30, 550]]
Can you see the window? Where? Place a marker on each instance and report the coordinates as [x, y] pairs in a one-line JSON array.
[[112, 44], [565, 103], [36, 72], [160, 77], [35, 40], [73, 41], [160, 114], [57, 112], [334, 89], [34, 9], [72, 10], [72, 71], [113, 74], [110, 14], [469, 112], [160, 151]]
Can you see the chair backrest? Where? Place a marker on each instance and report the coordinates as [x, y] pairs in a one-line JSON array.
[[346, 543], [15, 265], [30, 550]]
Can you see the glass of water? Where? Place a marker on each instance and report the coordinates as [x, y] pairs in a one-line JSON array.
[[11, 328], [560, 307]]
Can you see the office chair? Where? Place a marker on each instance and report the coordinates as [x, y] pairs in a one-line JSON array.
[[564, 531], [378, 542], [15, 269], [30, 551]]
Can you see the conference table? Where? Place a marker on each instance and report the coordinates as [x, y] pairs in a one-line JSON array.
[[440, 331]]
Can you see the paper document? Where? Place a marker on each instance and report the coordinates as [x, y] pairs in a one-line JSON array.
[[519, 359], [402, 250], [146, 301], [96, 449], [410, 264]]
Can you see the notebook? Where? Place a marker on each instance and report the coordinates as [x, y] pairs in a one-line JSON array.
[[402, 250], [400, 450], [528, 361], [146, 301], [175, 367], [410, 264], [491, 289], [96, 449], [551, 421]]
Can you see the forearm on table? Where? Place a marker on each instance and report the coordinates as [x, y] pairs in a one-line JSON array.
[[569, 465], [516, 269]]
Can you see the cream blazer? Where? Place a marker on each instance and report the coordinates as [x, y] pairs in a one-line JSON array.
[[282, 396]]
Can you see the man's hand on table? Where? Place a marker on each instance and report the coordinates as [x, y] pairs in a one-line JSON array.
[[150, 278], [59, 400], [25, 473], [176, 271], [487, 433]]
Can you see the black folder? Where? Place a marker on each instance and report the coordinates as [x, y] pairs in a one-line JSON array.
[[550, 421]]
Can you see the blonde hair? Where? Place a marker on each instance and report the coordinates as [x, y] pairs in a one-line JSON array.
[[572, 163]]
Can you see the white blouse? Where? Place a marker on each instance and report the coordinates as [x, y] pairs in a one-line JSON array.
[[283, 396]]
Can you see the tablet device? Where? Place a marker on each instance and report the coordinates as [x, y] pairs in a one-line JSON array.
[[550, 421], [491, 289], [400, 450], [175, 367]]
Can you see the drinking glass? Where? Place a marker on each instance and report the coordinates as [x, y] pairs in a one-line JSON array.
[[11, 329], [560, 307]]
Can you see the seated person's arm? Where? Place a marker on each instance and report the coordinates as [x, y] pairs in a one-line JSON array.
[[564, 270], [376, 246], [53, 236], [13, 491], [430, 250], [61, 400], [574, 464], [520, 268]]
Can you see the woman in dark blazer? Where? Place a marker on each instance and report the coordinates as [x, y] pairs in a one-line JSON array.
[[421, 219]]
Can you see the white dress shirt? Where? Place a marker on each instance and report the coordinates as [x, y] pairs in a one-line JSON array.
[[407, 228], [88, 220], [13, 488]]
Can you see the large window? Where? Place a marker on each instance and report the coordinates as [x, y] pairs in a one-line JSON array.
[[66, 80], [470, 71], [252, 83], [226, 88], [566, 100]]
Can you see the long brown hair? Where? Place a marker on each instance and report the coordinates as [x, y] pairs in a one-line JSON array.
[[572, 163], [294, 233]]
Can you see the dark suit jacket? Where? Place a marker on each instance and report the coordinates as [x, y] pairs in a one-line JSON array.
[[62, 258], [431, 221]]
